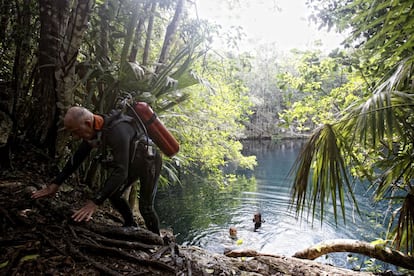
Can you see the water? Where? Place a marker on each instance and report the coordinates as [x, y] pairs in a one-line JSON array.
[[201, 214]]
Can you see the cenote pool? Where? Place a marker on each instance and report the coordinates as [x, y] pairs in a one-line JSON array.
[[200, 214]]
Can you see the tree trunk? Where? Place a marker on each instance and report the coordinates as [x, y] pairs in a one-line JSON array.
[[42, 127], [65, 70], [102, 51], [16, 37], [130, 33], [149, 34], [344, 245], [138, 35], [22, 55], [169, 34]]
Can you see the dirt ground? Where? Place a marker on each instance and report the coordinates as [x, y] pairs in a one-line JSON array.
[[38, 237]]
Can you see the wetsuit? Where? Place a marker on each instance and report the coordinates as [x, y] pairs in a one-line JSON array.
[[134, 156]]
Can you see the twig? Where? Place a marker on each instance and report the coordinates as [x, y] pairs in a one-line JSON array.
[[6, 215], [52, 244], [73, 232], [160, 252]]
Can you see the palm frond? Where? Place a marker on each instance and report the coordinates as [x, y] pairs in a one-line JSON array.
[[382, 123], [321, 168], [404, 230], [172, 171], [378, 118]]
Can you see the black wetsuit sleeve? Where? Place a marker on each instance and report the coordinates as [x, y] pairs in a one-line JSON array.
[[74, 162], [118, 139]]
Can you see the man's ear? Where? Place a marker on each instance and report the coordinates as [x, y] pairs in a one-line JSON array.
[[89, 123]]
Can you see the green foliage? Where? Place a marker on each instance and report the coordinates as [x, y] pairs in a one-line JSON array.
[[323, 87], [373, 137], [324, 152], [210, 122], [258, 74], [379, 125], [169, 88], [383, 29]]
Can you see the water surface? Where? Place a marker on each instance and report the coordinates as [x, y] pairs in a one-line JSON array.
[[200, 213]]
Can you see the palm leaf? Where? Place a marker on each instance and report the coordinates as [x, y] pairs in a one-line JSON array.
[[321, 169], [404, 230], [329, 174]]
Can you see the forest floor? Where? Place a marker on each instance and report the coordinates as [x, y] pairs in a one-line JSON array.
[[38, 237]]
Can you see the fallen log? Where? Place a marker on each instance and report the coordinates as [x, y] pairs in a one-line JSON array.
[[262, 264], [379, 252]]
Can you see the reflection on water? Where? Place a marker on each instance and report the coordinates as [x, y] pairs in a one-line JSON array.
[[201, 214]]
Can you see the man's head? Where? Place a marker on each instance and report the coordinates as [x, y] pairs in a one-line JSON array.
[[257, 217], [79, 121], [233, 232]]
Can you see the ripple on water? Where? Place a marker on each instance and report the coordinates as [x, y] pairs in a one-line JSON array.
[[281, 233]]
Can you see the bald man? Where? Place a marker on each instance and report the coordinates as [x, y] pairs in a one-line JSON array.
[[130, 155]]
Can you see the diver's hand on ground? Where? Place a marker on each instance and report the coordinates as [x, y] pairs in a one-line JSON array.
[[86, 212], [49, 190]]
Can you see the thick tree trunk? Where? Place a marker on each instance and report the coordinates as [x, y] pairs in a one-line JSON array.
[[65, 69], [42, 126], [61, 33], [344, 245], [73, 36]]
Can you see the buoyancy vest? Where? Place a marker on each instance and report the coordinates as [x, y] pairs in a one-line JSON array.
[[110, 120]]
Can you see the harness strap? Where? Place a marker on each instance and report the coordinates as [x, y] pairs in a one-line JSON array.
[[151, 120]]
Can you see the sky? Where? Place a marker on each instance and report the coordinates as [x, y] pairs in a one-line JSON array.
[[283, 22]]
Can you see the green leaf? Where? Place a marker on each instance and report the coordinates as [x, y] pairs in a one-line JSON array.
[[4, 264], [29, 258]]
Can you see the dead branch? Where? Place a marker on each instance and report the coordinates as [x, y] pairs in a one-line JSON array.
[[160, 252], [382, 253], [52, 244], [4, 212]]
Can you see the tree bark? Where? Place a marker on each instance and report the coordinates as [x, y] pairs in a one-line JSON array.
[[102, 51], [61, 33], [130, 33], [42, 125], [65, 69], [385, 254], [138, 35], [169, 34], [145, 55]]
